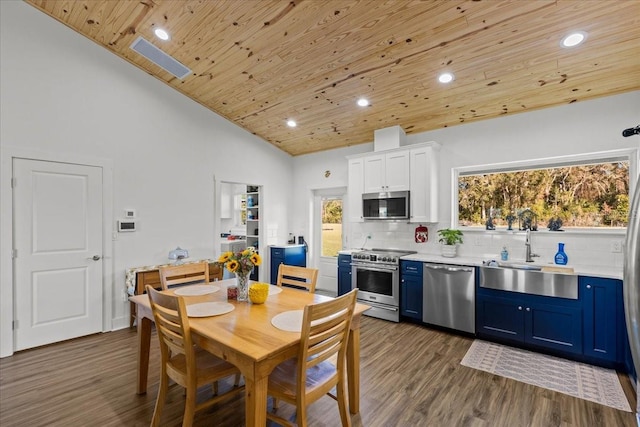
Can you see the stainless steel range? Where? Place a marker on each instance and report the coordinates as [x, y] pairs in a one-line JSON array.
[[376, 274]]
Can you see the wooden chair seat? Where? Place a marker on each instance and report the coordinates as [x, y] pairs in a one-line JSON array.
[[283, 379], [210, 368]]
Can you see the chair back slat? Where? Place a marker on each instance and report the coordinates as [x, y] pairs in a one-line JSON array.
[[184, 273], [295, 276]]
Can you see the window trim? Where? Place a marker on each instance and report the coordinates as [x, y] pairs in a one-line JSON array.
[[632, 155]]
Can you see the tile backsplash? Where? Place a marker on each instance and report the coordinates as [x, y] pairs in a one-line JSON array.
[[582, 247]]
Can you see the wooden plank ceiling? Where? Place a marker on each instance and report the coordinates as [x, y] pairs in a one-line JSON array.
[[258, 63]]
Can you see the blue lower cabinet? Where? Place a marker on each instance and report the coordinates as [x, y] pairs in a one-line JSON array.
[[601, 299], [553, 323], [344, 274], [554, 327], [500, 317], [411, 289], [411, 297], [290, 255]]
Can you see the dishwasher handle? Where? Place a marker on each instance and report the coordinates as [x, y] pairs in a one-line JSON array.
[[448, 268]]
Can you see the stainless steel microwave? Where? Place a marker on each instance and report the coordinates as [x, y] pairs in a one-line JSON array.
[[386, 205]]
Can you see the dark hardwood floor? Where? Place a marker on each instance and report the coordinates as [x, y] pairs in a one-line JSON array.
[[411, 376]]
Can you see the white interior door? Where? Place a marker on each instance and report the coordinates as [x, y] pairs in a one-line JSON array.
[[58, 259]]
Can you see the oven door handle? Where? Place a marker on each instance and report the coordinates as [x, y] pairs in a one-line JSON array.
[[367, 267], [377, 305]]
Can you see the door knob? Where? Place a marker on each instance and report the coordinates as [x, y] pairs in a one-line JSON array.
[[95, 258]]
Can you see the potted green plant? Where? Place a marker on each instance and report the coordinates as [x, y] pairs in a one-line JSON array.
[[450, 238]]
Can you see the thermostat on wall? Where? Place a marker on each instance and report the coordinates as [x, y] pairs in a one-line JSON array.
[[126, 225], [129, 213]]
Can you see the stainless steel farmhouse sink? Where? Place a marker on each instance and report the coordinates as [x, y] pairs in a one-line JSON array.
[[519, 266], [528, 279]]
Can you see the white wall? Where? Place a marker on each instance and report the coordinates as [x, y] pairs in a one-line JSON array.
[[586, 127], [62, 93]]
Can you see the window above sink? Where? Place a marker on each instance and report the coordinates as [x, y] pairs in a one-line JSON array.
[[587, 192]]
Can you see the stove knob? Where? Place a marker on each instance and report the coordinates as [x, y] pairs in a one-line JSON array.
[[394, 259]]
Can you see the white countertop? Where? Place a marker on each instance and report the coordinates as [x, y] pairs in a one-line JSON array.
[[581, 270]]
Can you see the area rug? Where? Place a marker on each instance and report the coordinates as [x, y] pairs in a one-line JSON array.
[[576, 379]]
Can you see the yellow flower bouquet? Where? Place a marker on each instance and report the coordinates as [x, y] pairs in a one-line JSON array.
[[241, 263]]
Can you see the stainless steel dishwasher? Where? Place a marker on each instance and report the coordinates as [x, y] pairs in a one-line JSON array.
[[449, 296]]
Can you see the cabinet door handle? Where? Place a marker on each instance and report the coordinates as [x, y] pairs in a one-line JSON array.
[[528, 309], [520, 307], [588, 286]]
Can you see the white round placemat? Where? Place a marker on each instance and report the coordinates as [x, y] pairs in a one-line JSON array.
[[274, 290], [206, 309], [290, 321], [195, 290]]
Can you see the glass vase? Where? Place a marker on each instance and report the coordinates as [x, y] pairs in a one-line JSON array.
[[242, 281]]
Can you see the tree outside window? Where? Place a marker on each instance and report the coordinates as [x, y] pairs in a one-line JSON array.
[[591, 196], [331, 236]]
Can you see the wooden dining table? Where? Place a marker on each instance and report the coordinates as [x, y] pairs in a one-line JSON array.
[[246, 338]]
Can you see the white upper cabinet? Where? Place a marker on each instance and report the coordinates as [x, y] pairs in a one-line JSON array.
[[414, 169], [424, 183], [387, 172], [355, 190]]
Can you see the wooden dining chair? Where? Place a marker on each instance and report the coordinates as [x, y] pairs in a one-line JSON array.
[[188, 365], [303, 380], [295, 276], [184, 273], [216, 271]]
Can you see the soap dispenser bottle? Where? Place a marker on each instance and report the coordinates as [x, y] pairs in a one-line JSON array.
[[504, 255], [561, 257]]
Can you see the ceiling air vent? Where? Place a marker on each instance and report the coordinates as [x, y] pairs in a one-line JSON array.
[[158, 57]]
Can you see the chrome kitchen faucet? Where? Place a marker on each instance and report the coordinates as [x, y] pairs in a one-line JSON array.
[[527, 243]]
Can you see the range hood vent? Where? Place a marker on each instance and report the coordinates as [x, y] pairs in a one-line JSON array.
[[160, 58], [389, 138]]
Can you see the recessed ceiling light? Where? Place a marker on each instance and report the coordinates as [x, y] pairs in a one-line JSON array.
[[363, 102], [291, 123], [161, 34], [574, 39], [445, 78]]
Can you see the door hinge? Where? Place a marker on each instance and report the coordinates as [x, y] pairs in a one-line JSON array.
[[13, 183], [14, 325], [14, 253]]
